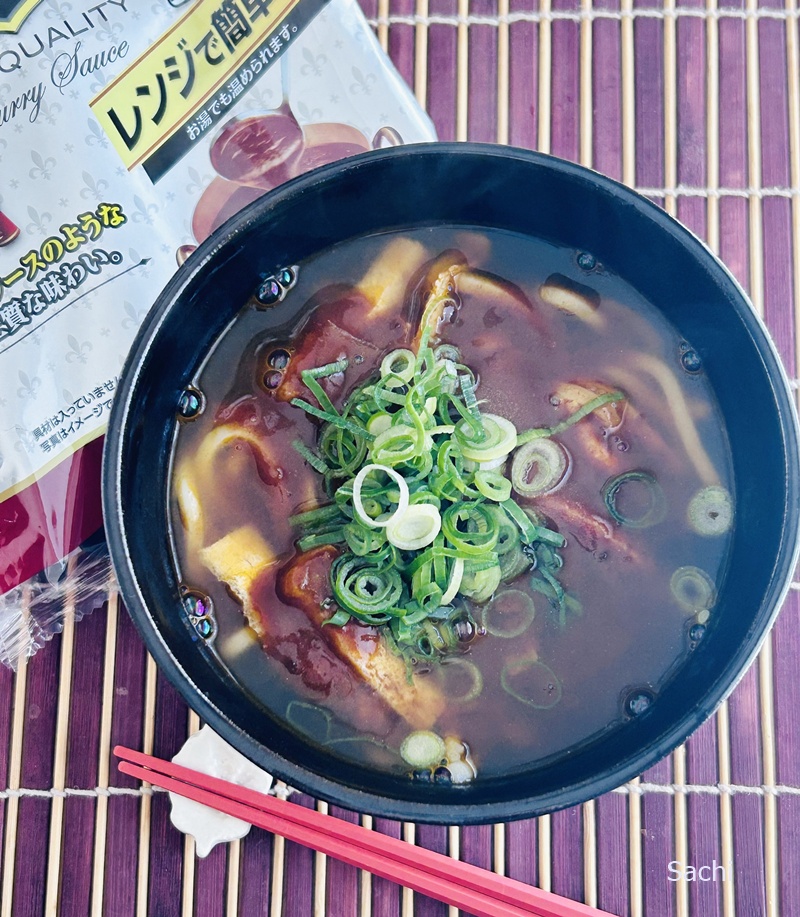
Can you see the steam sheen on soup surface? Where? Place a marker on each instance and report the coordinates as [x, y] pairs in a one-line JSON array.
[[451, 501]]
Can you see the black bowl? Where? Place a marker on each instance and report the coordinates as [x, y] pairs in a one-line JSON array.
[[481, 186]]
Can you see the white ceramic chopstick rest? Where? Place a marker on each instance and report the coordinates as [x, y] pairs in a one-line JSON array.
[[205, 751]]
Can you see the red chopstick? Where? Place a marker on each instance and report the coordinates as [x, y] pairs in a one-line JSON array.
[[478, 891]]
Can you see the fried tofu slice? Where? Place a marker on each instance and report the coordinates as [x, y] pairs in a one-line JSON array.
[[244, 561], [305, 584], [238, 560], [325, 341], [341, 312]]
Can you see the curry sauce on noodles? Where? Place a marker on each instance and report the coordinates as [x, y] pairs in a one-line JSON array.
[[540, 585]]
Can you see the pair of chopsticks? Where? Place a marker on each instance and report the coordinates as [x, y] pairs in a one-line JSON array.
[[475, 890]]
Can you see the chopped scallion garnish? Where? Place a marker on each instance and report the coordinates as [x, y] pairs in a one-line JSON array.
[[584, 411], [421, 502], [312, 458], [333, 418]]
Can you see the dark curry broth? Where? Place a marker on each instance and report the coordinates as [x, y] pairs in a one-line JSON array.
[[631, 634]]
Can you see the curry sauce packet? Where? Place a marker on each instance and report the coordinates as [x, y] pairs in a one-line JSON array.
[[130, 130]]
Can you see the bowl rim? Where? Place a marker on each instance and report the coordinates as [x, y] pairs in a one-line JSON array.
[[317, 784]]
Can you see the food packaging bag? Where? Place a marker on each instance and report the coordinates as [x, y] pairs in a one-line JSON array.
[[128, 133]]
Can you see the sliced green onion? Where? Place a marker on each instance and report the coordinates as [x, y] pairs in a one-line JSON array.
[[312, 458], [429, 598], [530, 530], [368, 744], [588, 408], [500, 438], [447, 352], [539, 467], [513, 563], [518, 515], [693, 588], [362, 540], [366, 589], [343, 451], [470, 528], [560, 601], [491, 464], [309, 719], [329, 369], [422, 749], [335, 419], [531, 682], [508, 533], [399, 443], [339, 619], [336, 536], [310, 376], [436, 637], [492, 485], [444, 428], [402, 503], [654, 508], [399, 363], [710, 511], [453, 669], [451, 481], [379, 423], [456, 575], [316, 517], [415, 528], [558, 589], [509, 614], [383, 392], [480, 585], [471, 404], [431, 555]]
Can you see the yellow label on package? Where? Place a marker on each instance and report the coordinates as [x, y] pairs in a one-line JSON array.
[[192, 74]]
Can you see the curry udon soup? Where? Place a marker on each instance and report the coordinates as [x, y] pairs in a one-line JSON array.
[[468, 505]]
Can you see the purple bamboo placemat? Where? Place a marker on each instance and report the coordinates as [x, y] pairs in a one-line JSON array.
[[697, 105]]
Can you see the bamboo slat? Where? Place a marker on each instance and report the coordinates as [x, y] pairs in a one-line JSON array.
[[12, 803], [60, 758]]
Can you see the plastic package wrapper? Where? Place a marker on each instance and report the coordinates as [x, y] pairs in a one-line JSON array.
[[125, 141], [32, 613]]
